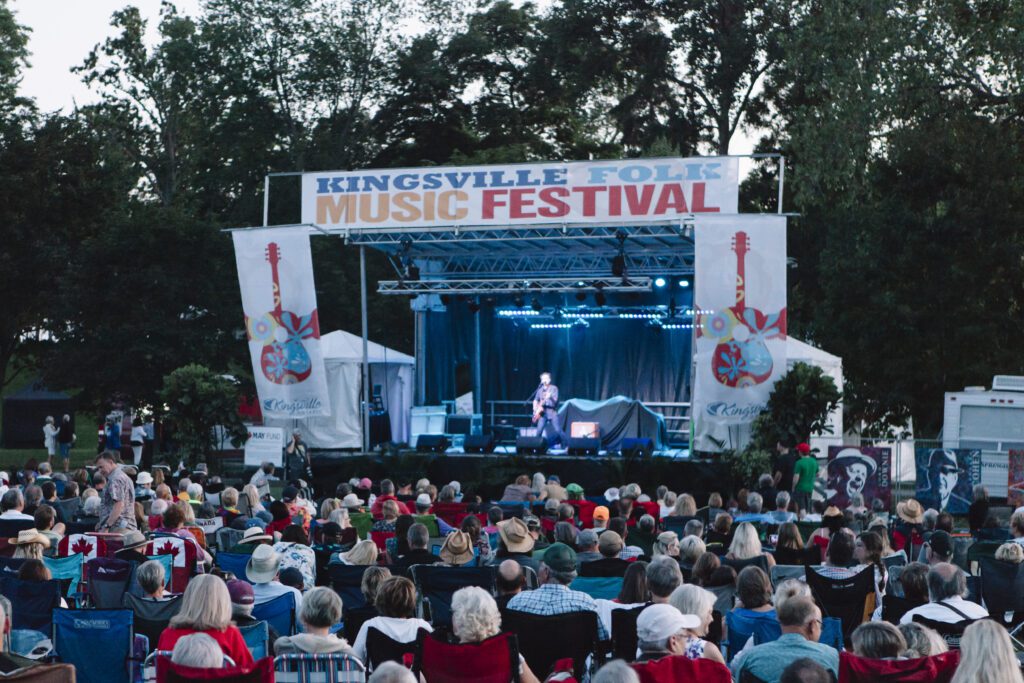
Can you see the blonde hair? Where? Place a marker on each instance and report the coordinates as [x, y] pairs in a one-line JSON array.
[[1010, 552], [187, 512], [206, 605], [389, 509], [663, 541], [328, 506], [745, 543], [252, 495], [922, 641], [340, 517], [229, 497], [363, 553], [986, 655], [29, 551], [686, 506], [475, 615]]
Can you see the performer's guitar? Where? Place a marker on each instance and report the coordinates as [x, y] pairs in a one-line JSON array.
[[538, 410]]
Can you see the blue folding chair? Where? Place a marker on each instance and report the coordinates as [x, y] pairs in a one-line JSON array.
[[32, 602], [66, 569], [598, 587], [10, 565], [318, 668], [435, 586], [832, 632], [257, 639], [98, 642], [168, 562], [234, 563], [279, 613], [347, 581]]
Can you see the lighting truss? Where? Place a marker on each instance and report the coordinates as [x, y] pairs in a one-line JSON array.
[[670, 264], [655, 315], [532, 286]]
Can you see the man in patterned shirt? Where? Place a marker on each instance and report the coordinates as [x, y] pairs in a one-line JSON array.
[[117, 505], [557, 571]]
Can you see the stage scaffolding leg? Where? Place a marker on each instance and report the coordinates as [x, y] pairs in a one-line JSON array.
[[421, 357], [366, 351], [477, 380]]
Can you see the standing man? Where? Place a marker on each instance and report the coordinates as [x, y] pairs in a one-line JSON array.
[[65, 440], [296, 460], [805, 471], [784, 462], [117, 504], [545, 408]]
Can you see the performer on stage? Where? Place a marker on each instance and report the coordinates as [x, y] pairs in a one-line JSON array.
[[545, 409]]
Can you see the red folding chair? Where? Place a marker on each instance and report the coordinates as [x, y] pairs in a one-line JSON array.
[[185, 559], [675, 668], [262, 671], [584, 512], [495, 660], [937, 668], [381, 539]]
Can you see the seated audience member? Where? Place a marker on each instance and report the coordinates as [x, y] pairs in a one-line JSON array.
[[152, 579], [387, 492], [198, 651], [321, 609], [510, 580], [690, 549], [666, 502], [333, 537], [495, 515], [262, 571], [373, 578], [907, 528], [553, 596], [554, 490], [746, 545], [754, 591], [252, 537], [704, 567], [540, 540], [634, 589], [616, 671], [878, 640], [423, 505], [781, 513], [206, 608], [566, 533], [663, 577], [790, 547], [789, 589], [610, 564], [457, 550], [839, 563], [644, 535], [867, 550], [922, 641], [586, 541], [35, 571], [667, 544], [396, 605], [519, 491], [694, 527], [364, 552], [800, 620], [721, 530], [832, 521], [1010, 552], [685, 506], [389, 516], [693, 600], [600, 517], [398, 545], [987, 655], [481, 541], [938, 548], [914, 581], [418, 538], [391, 672], [47, 525], [291, 577], [13, 503], [229, 511], [174, 523], [662, 631], [134, 543], [475, 618], [806, 670], [947, 586], [515, 542], [753, 514], [29, 544], [629, 552]]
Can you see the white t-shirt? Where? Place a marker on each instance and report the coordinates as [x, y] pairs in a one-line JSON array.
[[937, 612], [604, 611], [14, 514], [401, 630], [138, 434]]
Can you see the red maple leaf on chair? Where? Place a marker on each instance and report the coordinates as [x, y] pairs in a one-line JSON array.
[[168, 548], [83, 546]]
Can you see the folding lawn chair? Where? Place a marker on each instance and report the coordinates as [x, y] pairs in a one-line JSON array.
[[319, 668], [435, 586], [495, 660], [279, 613], [98, 642]]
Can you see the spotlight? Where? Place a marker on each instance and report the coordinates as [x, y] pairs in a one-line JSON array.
[[599, 298], [519, 301], [684, 283], [659, 282], [536, 305]]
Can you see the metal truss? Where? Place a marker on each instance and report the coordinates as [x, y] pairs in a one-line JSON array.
[[533, 286], [678, 262]]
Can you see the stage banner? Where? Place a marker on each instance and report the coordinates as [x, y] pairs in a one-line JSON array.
[[739, 317], [858, 469], [946, 478], [1015, 480], [275, 271], [632, 191]]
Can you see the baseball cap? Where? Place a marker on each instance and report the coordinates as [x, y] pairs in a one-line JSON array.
[[658, 622], [803, 448], [531, 522], [423, 500], [941, 543], [586, 538], [289, 494], [241, 592], [601, 512], [574, 488], [560, 557], [365, 483]]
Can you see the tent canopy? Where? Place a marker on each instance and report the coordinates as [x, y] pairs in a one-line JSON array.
[[347, 347]]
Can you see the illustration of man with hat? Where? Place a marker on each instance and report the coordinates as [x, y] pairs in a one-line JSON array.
[[944, 478], [849, 473]]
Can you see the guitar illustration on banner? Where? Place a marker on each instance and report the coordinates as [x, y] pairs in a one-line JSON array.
[[742, 357], [283, 359]]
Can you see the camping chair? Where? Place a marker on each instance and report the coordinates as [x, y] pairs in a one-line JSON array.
[[1002, 584], [234, 563], [892, 583], [10, 566], [624, 639], [673, 669], [951, 633], [279, 613], [32, 602], [88, 546], [257, 638], [894, 607], [725, 597], [109, 579], [67, 570], [435, 586], [760, 561], [937, 668], [319, 668], [448, 511], [380, 648], [495, 660], [227, 538], [781, 572], [261, 671], [183, 565], [353, 619], [764, 628], [979, 550], [606, 587], [361, 522], [897, 560], [381, 539], [543, 640], [69, 507], [99, 642], [677, 524], [151, 617], [852, 599], [346, 580], [429, 521], [44, 673]]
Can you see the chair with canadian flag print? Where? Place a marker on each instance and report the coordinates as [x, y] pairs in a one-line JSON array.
[[184, 553], [89, 547]]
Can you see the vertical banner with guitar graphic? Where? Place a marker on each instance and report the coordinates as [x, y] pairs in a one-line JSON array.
[[740, 319], [275, 271]]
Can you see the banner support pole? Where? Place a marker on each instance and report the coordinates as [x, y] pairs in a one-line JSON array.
[[366, 351], [266, 200], [782, 179]]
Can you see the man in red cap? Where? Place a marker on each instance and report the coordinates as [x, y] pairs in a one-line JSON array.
[[805, 471]]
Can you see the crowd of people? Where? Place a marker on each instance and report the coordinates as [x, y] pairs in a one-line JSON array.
[[706, 579]]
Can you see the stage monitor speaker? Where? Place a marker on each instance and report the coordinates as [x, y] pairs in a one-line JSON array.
[[531, 445], [584, 446], [479, 443], [633, 447], [432, 443]]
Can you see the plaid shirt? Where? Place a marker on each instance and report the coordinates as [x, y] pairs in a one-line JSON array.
[[553, 598], [631, 552]]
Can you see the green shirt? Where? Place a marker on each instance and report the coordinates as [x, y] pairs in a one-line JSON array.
[[807, 468]]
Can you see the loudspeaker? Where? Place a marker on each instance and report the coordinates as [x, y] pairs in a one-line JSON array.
[[634, 447], [479, 443], [432, 443], [584, 446], [531, 445]]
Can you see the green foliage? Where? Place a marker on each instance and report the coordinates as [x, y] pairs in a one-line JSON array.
[[799, 406], [198, 400], [746, 465]]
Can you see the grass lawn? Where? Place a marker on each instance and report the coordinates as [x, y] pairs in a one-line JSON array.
[[15, 458]]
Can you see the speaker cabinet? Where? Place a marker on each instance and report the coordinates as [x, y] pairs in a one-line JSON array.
[[531, 445]]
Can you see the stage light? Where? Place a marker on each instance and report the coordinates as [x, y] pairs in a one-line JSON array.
[[581, 283], [536, 305], [550, 326], [684, 283], [659, 282]]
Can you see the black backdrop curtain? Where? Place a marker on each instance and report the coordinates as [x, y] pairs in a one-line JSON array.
[[610, 357]]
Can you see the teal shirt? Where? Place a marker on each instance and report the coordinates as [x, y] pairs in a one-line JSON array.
[[767, 661]]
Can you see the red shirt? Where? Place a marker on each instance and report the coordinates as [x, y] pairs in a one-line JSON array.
[[378, 503], [278, 525], [230, 641]]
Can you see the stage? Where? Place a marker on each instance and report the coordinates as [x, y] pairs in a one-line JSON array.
[[488, 474]]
